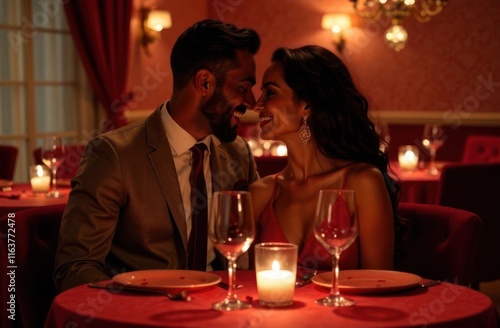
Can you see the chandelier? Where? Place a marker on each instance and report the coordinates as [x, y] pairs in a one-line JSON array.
[[396, 36]]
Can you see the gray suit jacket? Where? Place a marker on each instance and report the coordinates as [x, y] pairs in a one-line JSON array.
[[125, 210]]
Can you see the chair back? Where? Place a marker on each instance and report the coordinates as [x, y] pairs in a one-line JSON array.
[[475, 188], [8, 158], [481, 149], [68, 168], [36, 234], [440, 242]]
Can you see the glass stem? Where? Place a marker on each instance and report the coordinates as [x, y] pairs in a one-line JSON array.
[[432, 164], [334, 292], [54, 178], [231, 269]]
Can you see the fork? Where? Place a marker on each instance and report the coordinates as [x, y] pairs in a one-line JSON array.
[[306, 278], [182, 296]]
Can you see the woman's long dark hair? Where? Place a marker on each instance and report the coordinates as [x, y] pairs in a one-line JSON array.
[[339, 119]]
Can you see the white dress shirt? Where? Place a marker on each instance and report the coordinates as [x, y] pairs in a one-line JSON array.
[[180, 143]]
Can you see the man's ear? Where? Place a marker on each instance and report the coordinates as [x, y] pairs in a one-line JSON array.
[[204, 82]]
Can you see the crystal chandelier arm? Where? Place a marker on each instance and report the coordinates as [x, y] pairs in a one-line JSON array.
[[371, 10], [428, 9]]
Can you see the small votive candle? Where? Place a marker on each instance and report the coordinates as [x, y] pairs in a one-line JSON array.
[[408, 157], [276, 269], [40, 179]]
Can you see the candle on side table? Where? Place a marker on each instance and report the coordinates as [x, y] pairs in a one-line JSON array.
[[40, 179], [276, 269], [408, 157]]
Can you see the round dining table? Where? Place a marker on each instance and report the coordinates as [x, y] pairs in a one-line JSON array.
[[20, 197], [442, 305], [417, 186]]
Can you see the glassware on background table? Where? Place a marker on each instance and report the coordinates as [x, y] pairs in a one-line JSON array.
[[39, 179], [408, 157], [336, 228], [53, 153], [432, 139], [276, 271], [232, 231]]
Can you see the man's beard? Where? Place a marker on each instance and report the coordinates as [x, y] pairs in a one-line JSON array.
[[219, 113]]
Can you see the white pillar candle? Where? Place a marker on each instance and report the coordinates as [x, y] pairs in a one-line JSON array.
[[276, 286], [408, 157], [40, 179]]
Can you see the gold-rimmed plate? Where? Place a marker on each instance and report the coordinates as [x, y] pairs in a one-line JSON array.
[[369, 281], [170, 280]]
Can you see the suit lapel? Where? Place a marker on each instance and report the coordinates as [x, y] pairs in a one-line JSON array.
[[164, 168], [218, 165]]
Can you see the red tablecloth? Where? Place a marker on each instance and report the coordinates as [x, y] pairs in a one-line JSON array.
[[445, 305], [28, 200], [417, 186]]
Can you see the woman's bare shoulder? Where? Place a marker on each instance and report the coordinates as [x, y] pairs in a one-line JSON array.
[[365, 174], [262, 184], [261, 191]]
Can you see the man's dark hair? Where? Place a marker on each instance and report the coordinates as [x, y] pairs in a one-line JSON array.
[[212, 45]]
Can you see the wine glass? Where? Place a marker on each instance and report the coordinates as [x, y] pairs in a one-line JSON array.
[[53, 154], [336, 228], [432, 139], [232, 231]]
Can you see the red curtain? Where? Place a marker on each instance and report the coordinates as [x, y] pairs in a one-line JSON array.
[[100, 30]]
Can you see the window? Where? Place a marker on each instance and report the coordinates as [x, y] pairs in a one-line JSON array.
[[43, 87]]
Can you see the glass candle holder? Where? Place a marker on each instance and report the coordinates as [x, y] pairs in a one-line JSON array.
[[408, 157], [39, 178], [276, 269]]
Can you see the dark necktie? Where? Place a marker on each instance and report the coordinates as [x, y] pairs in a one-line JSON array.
[[197, 247]]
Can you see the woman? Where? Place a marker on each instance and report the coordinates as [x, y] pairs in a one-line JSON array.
[[310, 102]]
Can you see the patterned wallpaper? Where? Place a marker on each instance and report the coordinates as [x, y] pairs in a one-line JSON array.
[[450, 65]]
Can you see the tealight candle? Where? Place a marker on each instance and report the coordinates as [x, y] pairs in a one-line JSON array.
[[408, 157], [276, 269], [39, 178]]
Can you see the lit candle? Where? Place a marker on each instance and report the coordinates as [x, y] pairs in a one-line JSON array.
[[408, 157], [276, 286], [40, 179]]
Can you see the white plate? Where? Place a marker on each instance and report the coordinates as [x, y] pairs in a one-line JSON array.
[[369, 281], [167, 279]]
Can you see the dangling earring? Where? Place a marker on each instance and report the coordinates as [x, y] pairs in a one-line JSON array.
[[304, 131]]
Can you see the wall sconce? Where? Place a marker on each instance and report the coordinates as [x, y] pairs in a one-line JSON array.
[[152, 22], [337, 23]]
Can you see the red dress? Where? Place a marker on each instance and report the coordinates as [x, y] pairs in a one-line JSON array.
[[313, 255]]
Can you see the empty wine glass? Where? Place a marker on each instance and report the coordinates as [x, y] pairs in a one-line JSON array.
[[53, 153], [336, 228], [232, 231], [432, 139]]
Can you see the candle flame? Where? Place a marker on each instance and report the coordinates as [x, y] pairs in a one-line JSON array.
[[409, 155], [276, 265], [39, 170]]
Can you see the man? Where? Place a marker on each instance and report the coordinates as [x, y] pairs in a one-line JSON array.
[[131, 206]]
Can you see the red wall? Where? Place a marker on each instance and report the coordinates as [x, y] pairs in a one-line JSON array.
[[440, 70], [441, 75]]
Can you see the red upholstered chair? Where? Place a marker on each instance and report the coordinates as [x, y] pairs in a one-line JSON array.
[[440, 242], [475, 188], [35, 236], [481, 149], [8, 158], [69, 166]]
